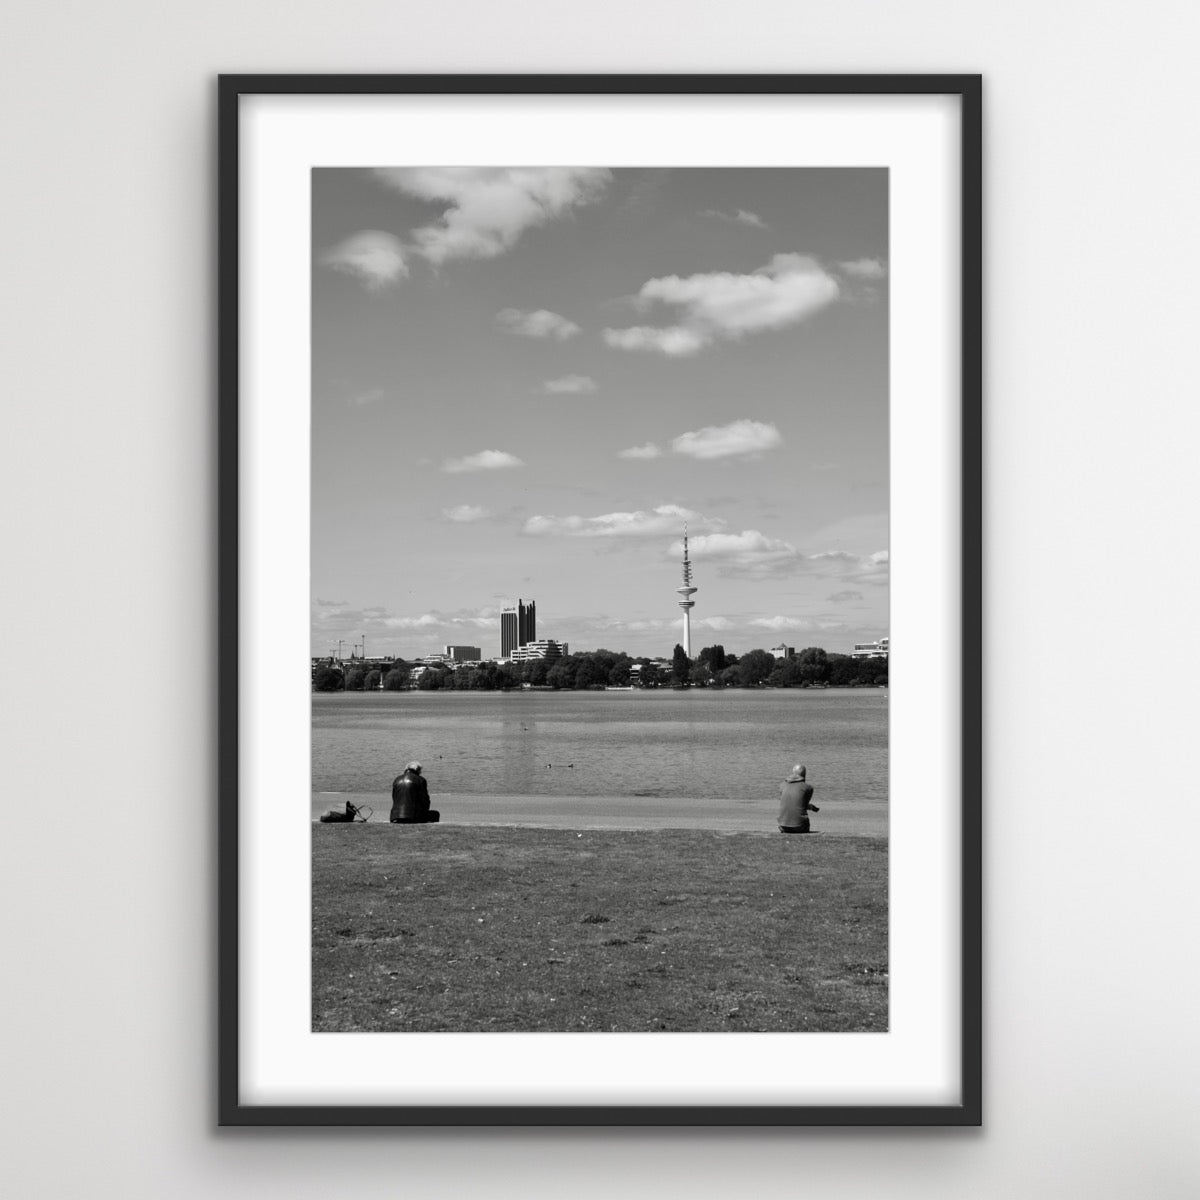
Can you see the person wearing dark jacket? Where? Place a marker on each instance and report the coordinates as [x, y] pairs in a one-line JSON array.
[[410, 798], [795, 802]]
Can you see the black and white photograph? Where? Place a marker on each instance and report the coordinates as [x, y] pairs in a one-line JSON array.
[[600, 599]]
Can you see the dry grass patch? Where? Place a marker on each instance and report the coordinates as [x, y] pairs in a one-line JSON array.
[[439, 927]]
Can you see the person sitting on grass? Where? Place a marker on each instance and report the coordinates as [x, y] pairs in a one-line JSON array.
[[410, 798], [795, 802]]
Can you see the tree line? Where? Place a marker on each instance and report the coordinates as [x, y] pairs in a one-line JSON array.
[[713, 667]]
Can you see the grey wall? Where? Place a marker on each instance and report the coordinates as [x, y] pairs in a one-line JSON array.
[[106, 610]]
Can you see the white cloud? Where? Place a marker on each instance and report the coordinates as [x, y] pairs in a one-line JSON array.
[[646, 450], [748, 553], [376, 259], [875, 568], [748, 218], [570, 385], [381, 626], [790, 288], [342, 615], [725, 441], [485, 460], [541, 323], [674, 341], [739, 217], [665, 519], [465, 512], [489, 208], [739, 624], [864, 268], [631, 625], [653, 624], [483, 618], [844, 597], [854, 568], [722, 305], [796, 624], [424, 621]]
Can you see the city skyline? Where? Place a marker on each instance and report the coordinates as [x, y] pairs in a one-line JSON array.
[[527, 381]]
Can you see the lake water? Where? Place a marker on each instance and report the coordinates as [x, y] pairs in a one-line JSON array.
[[729, 743]]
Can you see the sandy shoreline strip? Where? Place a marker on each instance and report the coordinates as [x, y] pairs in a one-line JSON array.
[[865, 819]]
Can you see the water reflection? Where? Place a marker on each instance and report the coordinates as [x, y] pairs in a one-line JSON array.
[[730, 743]]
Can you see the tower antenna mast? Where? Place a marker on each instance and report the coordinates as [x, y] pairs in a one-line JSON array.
[[687, 592]]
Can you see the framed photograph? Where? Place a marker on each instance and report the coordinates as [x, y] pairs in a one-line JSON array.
[[584, 442]]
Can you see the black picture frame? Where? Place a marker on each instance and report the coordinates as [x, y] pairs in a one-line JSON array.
[[231, 1111]]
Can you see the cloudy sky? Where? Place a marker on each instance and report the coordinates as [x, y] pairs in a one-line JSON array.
[[525, 381]]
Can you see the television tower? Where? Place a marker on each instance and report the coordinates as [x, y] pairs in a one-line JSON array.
[[687, 603]]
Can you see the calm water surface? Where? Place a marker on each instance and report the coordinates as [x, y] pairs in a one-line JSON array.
[[725, 743]]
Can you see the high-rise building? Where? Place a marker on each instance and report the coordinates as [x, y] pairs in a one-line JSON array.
[[517, 627], [687, 592], [526, 623], [463, 653]]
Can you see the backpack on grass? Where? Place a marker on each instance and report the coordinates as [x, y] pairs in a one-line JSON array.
[[352, 813]]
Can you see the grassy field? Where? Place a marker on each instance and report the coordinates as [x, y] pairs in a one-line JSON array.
[[489, 929]]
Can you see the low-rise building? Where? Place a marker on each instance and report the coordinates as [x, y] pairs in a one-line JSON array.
[[463, 654], [547, 649], [877, 649]]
